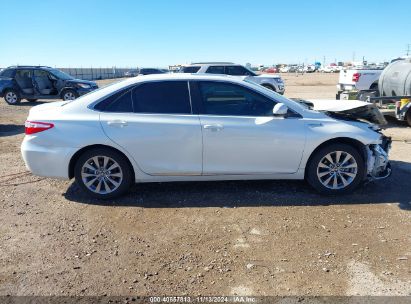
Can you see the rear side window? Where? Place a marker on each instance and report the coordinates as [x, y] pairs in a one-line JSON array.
[[166, 97], [119, 102], [215, 70], [7, 73], [190, 69]]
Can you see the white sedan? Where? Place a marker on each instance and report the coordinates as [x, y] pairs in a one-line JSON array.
[[187, 127]]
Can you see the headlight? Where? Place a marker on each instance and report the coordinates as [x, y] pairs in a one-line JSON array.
[[278, 80], [83, 85]]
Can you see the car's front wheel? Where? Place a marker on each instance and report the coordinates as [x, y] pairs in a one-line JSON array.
[[336, 169], [12, 97], [103, 173], [69, 95]]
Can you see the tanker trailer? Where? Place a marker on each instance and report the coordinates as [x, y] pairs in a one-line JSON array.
[[394, 88]]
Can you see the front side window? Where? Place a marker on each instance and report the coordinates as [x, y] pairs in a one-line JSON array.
[[227, 99], [215, 70], [165, 97], [40, 73], [238, 70], [119, 102]]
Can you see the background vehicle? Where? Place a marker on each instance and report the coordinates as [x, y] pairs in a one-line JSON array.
[[131, 73], [393, 94], [40, 82], [150, 71], [272, 82], [358, 79], [201, 127]]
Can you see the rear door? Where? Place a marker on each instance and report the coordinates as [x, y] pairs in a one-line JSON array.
[[153, 121]]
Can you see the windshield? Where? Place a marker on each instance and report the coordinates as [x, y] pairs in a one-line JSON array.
[[61, 75]]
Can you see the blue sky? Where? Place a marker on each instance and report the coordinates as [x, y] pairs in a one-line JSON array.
[[128, 33]]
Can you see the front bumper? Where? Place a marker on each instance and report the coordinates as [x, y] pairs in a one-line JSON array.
[[82, 91], [378, 163]]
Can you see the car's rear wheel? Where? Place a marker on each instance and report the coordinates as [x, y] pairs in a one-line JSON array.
[[69, 95], [103, 173], [336, 169], [268, 87], [12, 97]]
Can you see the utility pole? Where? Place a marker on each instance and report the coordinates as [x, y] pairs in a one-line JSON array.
[[408, 49]]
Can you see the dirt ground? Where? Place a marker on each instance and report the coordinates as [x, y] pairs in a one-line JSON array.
[[204, 238]]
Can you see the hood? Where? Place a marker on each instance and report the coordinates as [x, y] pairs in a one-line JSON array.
[[347, 109], [91, 83], [269, 76]]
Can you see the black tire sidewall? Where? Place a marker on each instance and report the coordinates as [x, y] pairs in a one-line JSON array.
[[119, 158], [311, 174], [408, 117], [15, 92], [267, 86]]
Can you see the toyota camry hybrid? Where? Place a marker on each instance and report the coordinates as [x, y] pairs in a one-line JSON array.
[[193, 127]]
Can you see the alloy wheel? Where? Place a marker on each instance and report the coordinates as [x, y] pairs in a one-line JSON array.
[[11, 97], [101, 174], [69, 96], [337, 170]]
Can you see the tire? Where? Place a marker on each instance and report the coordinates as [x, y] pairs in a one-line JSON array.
[[69, 94], [374, 86], [321, 173], [118, 179], [12, 97], [408, 117], [31, 99], [270, 87]]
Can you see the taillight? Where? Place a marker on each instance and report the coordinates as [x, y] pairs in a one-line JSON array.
[[356, 77], [36, 126]]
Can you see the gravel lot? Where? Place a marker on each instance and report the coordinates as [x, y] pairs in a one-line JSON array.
[[209, 238]]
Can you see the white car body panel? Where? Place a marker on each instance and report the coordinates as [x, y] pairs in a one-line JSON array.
[[160, 144], [255, 144], [366, 80], [177, 147]]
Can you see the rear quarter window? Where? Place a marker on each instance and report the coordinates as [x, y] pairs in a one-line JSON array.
[[120, 102]]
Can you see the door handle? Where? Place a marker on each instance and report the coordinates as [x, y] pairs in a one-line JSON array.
[[117, 123], [213, 127]]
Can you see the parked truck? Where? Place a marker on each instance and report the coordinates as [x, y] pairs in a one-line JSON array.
[[357, 79], [390, 88]]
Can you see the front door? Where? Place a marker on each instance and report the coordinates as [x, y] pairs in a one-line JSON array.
[[241, 135], [154, 123]]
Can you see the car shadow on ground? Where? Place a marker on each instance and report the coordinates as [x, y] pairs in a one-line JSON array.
[[232, 194], [25, 103], [10, 130]]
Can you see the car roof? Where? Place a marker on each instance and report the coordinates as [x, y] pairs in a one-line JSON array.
[[29, 67]]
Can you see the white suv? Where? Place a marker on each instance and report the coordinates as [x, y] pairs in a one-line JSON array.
[[272, 82]]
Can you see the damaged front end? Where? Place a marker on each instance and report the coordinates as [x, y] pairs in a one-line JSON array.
[[378, 164]]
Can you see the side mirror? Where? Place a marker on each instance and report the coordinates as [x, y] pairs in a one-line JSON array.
[[280, 109]]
